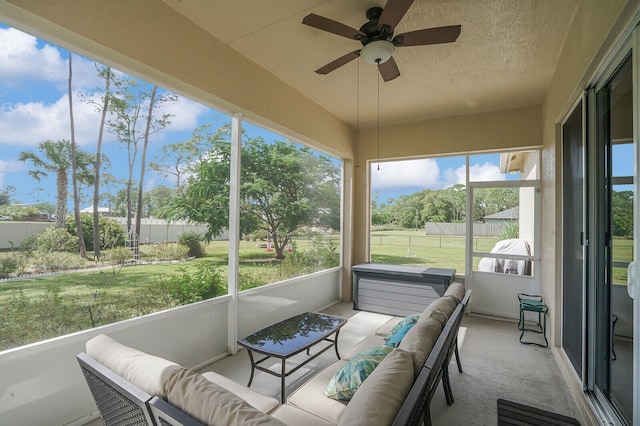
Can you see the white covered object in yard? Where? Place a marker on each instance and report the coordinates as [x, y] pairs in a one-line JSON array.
[[508, 266]]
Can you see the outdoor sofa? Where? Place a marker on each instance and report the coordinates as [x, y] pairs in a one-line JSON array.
[[135, 388]]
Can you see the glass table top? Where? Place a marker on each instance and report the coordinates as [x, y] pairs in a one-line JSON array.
[[293, 335]]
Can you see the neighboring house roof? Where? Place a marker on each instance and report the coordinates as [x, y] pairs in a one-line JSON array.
[[509, 214]]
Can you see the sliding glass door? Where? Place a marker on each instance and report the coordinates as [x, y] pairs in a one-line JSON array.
[[612, 231]]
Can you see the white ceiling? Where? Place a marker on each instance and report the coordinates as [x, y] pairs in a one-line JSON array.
[[505, 56]]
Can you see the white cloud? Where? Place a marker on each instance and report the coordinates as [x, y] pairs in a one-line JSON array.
[[485, 172], [455, 176], [407, 173], [28, 124], [10, 166], [185, 113], [22, 59], [477, 173], [426, 174]]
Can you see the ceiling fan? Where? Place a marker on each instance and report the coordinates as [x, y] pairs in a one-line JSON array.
[[376, 36]]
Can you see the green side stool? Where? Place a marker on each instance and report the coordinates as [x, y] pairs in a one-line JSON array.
[[533, 303]]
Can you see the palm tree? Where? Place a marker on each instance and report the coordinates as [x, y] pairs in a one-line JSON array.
[[56, 158]]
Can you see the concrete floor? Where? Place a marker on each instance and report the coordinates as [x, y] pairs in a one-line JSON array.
[[496, 365]]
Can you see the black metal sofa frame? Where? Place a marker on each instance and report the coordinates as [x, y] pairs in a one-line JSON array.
[[122, 403]]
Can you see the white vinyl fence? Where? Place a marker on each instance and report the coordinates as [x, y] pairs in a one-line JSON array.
[[457, 229], [152, 231]]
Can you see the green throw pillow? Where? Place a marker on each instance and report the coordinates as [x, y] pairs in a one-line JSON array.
[[346, 381], [395, 340], [411, 319]]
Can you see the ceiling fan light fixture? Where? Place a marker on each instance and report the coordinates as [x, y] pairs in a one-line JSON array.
[[377, 52]]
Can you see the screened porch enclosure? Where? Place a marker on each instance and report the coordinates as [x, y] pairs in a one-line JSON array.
[[509, 84]]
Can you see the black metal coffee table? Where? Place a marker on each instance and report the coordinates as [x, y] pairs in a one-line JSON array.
[[289, 337]]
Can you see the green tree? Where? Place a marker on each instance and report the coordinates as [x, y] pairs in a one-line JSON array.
[[179, 158], [283, 187], [154, 201], [488, 201], [379, 213], [458, 197], [5, 195], [105, 73], [622, 212], [74, 165], [56, 158], [132, 105], [437, 206]]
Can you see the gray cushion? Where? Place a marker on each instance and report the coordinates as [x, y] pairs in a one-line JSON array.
[[211, 404], [291, 415], [420, 340], [455, 290], [440, 309], [262, 402], [309, 397], [380, 396]]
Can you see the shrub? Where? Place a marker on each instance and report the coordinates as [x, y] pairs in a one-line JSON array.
[[111, 232], [19, 212], [193, 241], [118, 256], [54, 261], [318, 257], [509, 231], [50, 240], [250, 279], [164, 251], [8, 265], [189, 286]]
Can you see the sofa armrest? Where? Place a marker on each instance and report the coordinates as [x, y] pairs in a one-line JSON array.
[[166, 414]]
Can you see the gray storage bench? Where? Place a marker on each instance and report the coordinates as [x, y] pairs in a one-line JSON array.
[[398, 290]]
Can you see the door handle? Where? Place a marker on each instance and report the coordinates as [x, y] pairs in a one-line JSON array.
[[632, 280]]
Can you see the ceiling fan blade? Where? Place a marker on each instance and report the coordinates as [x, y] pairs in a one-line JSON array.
[[393, 12], [335, 27], [339, 62], [389, 70], [436, 35]]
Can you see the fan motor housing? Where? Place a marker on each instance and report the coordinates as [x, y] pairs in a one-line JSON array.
[[371, 29]]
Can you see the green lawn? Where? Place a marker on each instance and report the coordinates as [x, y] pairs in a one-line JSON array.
[[36, 308], [411, 247]]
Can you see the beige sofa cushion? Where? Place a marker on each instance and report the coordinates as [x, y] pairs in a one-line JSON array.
[[455, 290], [420, 340], [139, 368], [380, 397], [440, 309], [385, 328], [211, 404], [366, 343], [262, 402], [294, 416], [310, 396]]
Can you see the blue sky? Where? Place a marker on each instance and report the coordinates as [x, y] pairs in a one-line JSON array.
[[396, 178], [34, 108]]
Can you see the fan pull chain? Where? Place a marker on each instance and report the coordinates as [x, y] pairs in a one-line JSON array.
[[378, 116], [358, 115]]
